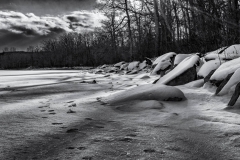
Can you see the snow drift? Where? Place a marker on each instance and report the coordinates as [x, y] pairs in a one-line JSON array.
[[146, 92]]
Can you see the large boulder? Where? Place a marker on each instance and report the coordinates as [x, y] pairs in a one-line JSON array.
[[188, 76], [168, 56], [225, 69], [207, 67], [183, 73], [224, 53]]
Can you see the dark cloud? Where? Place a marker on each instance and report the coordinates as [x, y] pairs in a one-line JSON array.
[[27, 22], [44, 7], [17, 28]]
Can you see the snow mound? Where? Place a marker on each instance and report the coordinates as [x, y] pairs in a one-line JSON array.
[[231, 52], [180, 57], [161, 66], [133, 65], [235, 79], [186, 64], [225, 69], [208, 67], [164, 57], [146, 92]]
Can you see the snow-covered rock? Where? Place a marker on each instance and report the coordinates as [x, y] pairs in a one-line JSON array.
[[124, 66], [235, 79], [133, 65], [143, 65], [207, 67], [186, 64], [146, 92], [162, 65], [119, 64], [180, 57], [231, 52], [225, 69], [164, 57]]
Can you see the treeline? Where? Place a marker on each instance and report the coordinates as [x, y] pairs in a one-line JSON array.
[[148, 28], [137, 29]]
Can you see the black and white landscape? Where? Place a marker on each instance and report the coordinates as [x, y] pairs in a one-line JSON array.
[[119, 79]]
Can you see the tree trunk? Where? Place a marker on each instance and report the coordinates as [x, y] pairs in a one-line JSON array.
[[129, 30], [156, 19]]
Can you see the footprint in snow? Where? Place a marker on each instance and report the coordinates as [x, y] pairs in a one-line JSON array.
[[87, 158], [149, 150], [71, 111], [72, 130], [57, 123], [89, 119], [81, 148]]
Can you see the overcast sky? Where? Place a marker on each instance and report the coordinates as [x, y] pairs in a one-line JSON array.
[[27, 22]]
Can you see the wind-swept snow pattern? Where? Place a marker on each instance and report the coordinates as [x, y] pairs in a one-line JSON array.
[[186, 64], [146, 92], [231, 52], [164, 57], [235, 79], [225, 69], [209, 66]]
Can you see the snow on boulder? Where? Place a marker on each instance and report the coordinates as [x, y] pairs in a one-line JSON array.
[[235, 79], [225, 69], [183, 73], [164, 57], [231, 52], [124, 66], [119, 64], [209, 66], [143, 65], [180, 57], [133, 65], [146, 92], [164, 64]]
